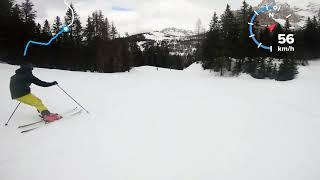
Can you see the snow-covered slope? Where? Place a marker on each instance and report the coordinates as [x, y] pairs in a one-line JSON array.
[[174, 125]]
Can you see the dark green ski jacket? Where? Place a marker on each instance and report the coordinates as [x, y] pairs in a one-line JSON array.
[[21, 81]]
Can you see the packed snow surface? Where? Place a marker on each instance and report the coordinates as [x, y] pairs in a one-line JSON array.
[[152, 124]]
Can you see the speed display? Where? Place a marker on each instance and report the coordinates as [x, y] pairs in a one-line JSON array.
[[283, 39]]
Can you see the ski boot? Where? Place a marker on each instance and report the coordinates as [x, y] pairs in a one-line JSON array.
[[51, 118]]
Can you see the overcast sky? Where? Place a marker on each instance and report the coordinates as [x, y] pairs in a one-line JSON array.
[[141, 15]]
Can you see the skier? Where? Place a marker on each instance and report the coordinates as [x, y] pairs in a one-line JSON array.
[[20, 91]]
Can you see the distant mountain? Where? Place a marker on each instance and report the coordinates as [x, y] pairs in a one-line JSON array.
[[299, 11], [180, 42], [309, 10], [178, 32]]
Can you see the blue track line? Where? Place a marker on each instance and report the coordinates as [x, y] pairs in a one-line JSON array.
[[63, 29]]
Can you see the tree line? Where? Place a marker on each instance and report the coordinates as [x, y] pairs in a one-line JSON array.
[[227, 48], [95, 46]]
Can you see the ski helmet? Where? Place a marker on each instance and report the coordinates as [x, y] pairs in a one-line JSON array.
[[27, 66]]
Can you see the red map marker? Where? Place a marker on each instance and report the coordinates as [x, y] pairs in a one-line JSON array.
[[272, 27]]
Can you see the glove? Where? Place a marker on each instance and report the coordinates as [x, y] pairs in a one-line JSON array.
[[55, 83]]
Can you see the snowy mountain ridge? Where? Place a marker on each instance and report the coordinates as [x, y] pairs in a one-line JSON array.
[[168, 34], [177, 32], [299, 11]]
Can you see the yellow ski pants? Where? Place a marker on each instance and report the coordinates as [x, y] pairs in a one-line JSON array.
[[32, 100]]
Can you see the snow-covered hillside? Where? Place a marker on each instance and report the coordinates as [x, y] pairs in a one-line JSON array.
[[174, 125], [180, 41], [168, 34]]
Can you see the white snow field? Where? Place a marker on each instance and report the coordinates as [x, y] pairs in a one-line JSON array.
[[166, 125]]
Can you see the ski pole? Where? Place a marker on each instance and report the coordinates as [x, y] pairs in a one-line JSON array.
[[72, 98], [12, 114]]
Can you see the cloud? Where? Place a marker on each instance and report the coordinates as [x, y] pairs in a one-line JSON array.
[[143, 15]]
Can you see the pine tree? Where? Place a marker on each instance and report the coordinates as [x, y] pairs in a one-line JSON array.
[[38, 30], [287, 70], [274, 71], [77, 32], [16, 12], [220, 64], [56, 28], [114, 32], [74, 35], [214, 24], [310, 44], [270, 69], [261, 69], [250, 65], [46, 31], [243, 42], [228, 24], [68, 20], [211, 46], [57, 25], [230, 35], [315, 22], [28, 13], [95, 23], [244, 16], [89, 30], [106, 30], [100, 24], [319, 27], [317, 35]]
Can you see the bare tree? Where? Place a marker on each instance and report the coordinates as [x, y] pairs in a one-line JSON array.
[[199, 29]]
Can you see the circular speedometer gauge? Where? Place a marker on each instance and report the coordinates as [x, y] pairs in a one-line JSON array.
[[283, 39]]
